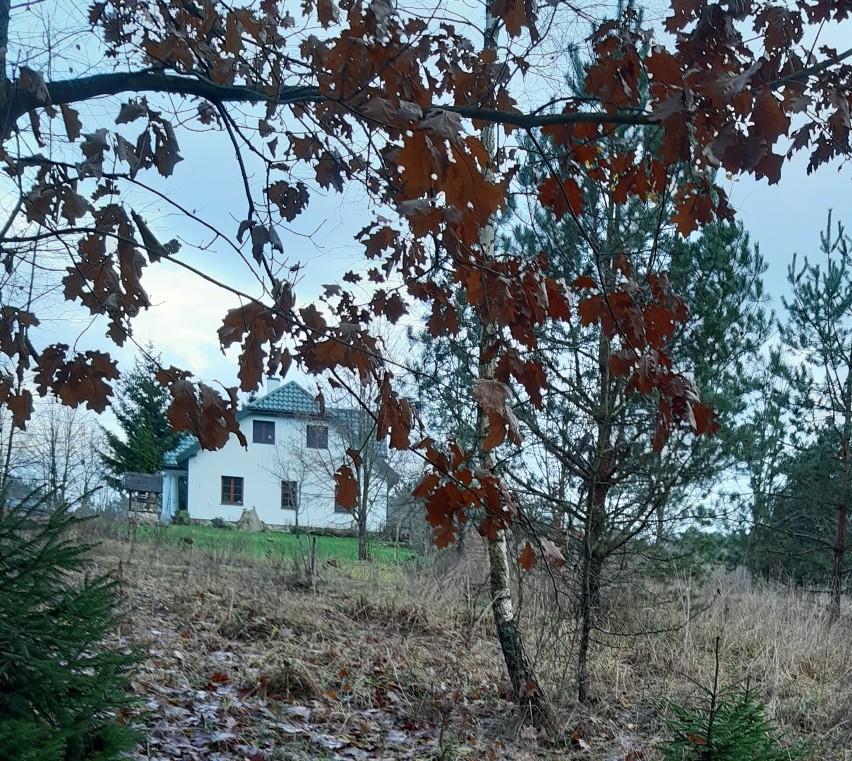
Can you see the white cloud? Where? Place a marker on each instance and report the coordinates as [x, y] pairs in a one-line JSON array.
[[182, 323]]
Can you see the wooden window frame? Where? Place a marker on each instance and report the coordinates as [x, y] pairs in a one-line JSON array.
[[294, 494], [228, 496]]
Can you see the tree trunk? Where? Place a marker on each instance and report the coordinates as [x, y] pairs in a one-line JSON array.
[[594, 552], [522, 675], [518, 664], [837, 565], [5, 478], [362, 537], [589, 606], [842, 509], [5, 7], [593, 560], [362, 514]]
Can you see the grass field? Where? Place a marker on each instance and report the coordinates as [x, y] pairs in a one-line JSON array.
[[271, 544]]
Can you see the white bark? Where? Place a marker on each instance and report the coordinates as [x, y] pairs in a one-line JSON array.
[[522, 675]]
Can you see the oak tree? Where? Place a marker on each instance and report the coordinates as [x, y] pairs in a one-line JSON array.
[[594, 464], [322, 95]]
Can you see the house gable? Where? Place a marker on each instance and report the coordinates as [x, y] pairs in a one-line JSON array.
[[289, 399]]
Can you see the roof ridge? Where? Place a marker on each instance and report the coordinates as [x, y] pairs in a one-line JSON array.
[[290, 397], [280, 387]]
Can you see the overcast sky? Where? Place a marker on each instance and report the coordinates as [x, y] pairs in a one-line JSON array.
[[783, 219]]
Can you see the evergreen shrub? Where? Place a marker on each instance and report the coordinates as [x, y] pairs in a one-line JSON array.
[[63, 694], [732, 726]]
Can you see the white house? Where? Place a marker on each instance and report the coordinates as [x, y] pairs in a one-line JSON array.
[[285, 473]]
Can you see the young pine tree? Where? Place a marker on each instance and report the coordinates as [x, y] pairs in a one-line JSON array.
[[588, 466], [61, 690], [594, 436], [818, 334], [732, 725], [140, 407], [796, 534]]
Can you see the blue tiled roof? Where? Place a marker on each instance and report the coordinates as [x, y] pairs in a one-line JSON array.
[[289, 398], [348, 418], [186, 447]]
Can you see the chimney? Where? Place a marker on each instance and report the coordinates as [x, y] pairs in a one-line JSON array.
[[272, 384]]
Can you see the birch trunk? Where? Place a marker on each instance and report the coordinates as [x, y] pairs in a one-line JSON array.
[[521, 672]]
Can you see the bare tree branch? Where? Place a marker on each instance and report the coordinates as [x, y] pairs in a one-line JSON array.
[[159, 81]]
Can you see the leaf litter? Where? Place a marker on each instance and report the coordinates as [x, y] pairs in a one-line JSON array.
[[243, 662]]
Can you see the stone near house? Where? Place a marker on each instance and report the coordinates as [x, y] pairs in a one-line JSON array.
[[249, 521]]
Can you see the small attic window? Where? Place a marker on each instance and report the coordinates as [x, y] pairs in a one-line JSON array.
[[263, 432]]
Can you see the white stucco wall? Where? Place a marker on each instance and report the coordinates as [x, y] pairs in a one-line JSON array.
[[263, 467], [170, 496]]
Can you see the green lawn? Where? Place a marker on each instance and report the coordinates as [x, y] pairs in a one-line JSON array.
[[272, 544]]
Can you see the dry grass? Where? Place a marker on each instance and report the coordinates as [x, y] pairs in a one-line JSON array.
[[375, 653], [656, 644]]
